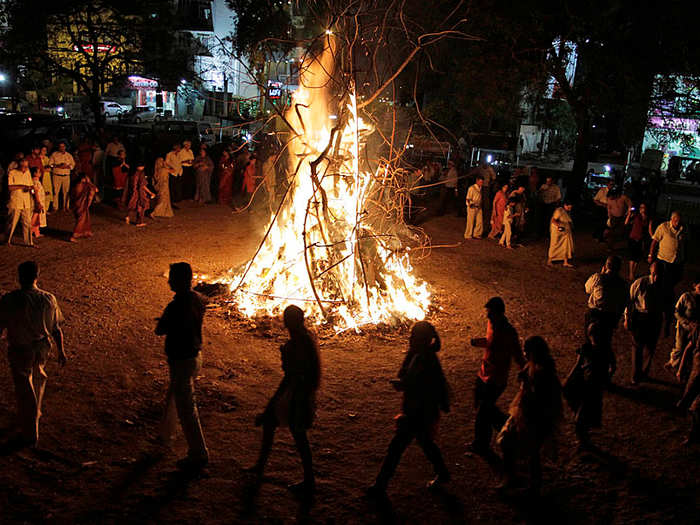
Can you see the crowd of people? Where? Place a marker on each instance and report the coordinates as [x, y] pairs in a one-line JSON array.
[[648, 306], [51, 179]]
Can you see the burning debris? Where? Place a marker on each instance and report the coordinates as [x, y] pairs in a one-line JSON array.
[[329, 248]]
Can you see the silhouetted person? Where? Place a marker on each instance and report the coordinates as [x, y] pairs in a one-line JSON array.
[[643, 317], [534, 413], [32, 318], [425, 394], [501, 344], [181, 324], [584, 386], [294, 401], [608, 294], [691, 396]]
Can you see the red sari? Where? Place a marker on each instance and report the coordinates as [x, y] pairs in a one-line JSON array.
[[499, 209], [249, 177], [85, 152], [225, 182], [81, 198]]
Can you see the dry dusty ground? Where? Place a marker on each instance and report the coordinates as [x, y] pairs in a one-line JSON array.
[[96, 461]]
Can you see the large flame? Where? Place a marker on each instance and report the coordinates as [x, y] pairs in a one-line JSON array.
[[321, 253]]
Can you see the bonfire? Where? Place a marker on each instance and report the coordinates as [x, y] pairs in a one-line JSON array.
[[328, 247]]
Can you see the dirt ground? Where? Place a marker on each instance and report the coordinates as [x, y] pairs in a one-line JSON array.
[[97, 461]]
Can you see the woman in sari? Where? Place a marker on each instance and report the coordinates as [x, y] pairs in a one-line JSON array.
[[249, 180], [85, 152], [561, 242], [120, 172], [203, 167], [39, 213], [499, 209], [82, 194], [46, 178], [162, 180], [137, 197], [225, 170]]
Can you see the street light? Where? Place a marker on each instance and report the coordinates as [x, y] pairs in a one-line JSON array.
[[2, 77]]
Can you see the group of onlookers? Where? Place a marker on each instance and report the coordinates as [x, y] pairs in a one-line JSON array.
[[49, 180]]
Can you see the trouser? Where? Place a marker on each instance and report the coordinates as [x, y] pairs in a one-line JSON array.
[[175, 183], [474, 223], [15, 216], [406, 431], [600, 219], [27, 368], [671, 274], [506, 235], [488, 415], [646, 329], [180, 399], [301, 442], [61, 186], [683, 337], [188, 182]]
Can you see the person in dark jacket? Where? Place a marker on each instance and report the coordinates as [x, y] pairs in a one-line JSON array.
[[425, 394], [294, 401], [534, 413], [586, 382]]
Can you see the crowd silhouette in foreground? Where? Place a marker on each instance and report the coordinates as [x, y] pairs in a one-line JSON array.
[[32, 319]]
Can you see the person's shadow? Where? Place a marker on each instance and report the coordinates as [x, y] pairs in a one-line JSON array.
[[249, 494]]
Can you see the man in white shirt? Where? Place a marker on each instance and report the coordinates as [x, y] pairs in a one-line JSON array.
[[643, 317], [33, 319], [62, 163], [670, 238], [601, 210], [172, 161], [186, 157], [474, 217], [21, 204]]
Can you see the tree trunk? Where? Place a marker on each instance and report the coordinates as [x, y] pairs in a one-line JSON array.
[[580, 167]]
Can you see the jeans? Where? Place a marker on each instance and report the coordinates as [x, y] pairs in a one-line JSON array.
[[488, 415], [406, 431], [180, 399], [27, 367]]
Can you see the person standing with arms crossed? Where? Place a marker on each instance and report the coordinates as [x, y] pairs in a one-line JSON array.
[[62, 163], [32, 319], [474, 217]]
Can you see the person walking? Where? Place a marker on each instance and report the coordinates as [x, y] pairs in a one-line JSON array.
[[474, 227], [186, 158], [690, 400], [643, 317], [181, 324], [225, 168], [601, 211], [174, 165], [46, 181], [508, 219], [549, 197], [584, 386], [20, 206], [500, 203], [669, 238], [608, 294], [62, 163], [618, 206], [33, 320], [501, 345], [137, 197], [687, 314], [639, 237], [535, 414], [39, 201], [203, 168], [561, 237], [161, 175], [294, 402], [82, 195], [425, 395]]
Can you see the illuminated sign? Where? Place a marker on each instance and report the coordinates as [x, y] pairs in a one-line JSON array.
[[142, 82], [89, 48], [274, 90]]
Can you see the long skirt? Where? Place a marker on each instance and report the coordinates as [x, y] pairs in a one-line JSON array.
[[561, 244]]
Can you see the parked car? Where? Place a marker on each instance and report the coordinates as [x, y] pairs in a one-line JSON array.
[[168, 132], [206, 133], [142, 114], [109, 108]]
